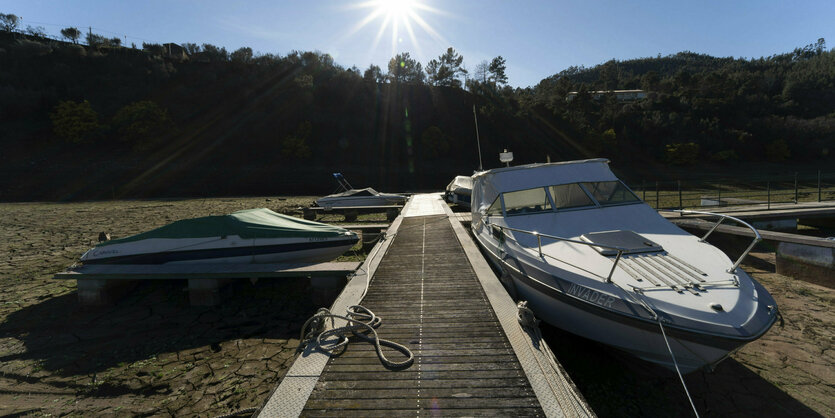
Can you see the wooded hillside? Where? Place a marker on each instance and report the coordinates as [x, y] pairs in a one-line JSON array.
[[102, 121]]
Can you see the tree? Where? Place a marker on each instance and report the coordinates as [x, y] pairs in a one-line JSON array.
[[242, 55], [445, 71], [71, 34], [295, 145], [213, 53], [115, 42], [191, 48], [9, 22], [36, 31], [75, 122], [434, 142], [481, 72], [404, 69], [374, 74], [497, 70], [97, 41], [682, 153], [141, 124], [153, 49]]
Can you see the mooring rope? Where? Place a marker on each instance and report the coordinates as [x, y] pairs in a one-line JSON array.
[[675, 363], [530, 324], [364, 322]]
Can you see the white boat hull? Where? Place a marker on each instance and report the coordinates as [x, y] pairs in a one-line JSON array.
[[639, 337], [231, 249], [360, 201]]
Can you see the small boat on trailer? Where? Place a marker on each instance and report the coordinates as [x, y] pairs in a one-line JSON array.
[[347, 196], [247, 236], [591, 258]]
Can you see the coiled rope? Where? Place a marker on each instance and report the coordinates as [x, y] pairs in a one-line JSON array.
[[362, 323]]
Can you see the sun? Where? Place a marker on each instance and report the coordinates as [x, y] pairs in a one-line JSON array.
[[396, 9], [393, 15]]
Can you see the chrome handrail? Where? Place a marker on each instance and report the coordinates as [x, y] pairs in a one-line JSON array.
[[539, 236], [722, 217]]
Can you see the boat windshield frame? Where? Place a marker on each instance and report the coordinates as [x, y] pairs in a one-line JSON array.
[[553, 207]]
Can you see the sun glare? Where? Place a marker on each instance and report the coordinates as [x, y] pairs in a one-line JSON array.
[[394, 15], [396, 8]]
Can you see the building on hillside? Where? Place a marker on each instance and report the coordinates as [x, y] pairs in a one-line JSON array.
[[621, 95]]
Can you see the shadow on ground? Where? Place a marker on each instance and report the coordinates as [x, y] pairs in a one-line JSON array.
[[68, 340], [616, 384]]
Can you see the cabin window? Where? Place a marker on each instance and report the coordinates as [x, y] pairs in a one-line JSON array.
[[496, 207], [526, 201], [610, 192], [567, 196]]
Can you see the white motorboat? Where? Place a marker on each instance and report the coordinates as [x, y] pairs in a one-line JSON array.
[[347, 196], [248, 236], [458, 191], [591, 258]]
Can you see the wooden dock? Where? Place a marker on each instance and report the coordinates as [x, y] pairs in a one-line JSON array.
[[768, 211], [437, 296]]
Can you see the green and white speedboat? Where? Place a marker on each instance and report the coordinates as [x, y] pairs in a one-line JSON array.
[[247, 236]]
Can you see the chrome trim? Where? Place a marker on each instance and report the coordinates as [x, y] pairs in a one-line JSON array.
[[539, 236], [722, 217]]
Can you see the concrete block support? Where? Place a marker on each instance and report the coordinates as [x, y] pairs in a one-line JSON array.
[[101, 292], [324, 290], [807, 262], [205, 292]]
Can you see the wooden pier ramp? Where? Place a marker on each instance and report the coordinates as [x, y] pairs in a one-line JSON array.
[[471, 356]]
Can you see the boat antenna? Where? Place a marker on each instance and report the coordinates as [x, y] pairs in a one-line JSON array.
[[477, 140]]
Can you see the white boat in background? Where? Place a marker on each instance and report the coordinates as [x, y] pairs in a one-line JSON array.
[[247, 236], [459, 190], [591, 258], [348, 196]]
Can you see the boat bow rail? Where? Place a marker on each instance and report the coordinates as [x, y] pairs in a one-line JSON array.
[[722, 217], [642, 266], [539, 236]]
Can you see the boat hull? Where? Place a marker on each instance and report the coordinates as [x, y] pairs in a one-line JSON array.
[[220, 250], [641, 337], [361, 201]]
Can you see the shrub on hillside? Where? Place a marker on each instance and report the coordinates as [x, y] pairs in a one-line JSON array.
[[141, 124], [76, 122], [29, 47]]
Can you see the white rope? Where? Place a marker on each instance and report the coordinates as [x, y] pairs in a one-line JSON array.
[[364, 322]]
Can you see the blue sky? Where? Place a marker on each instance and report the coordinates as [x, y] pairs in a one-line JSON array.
[[537, 38]]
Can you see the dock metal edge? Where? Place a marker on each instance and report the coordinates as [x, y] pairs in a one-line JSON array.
[[557, 394], [291, 395]]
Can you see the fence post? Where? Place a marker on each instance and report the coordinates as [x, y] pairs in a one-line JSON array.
[[680, 206], [819, 185], [768, 190], [795, 188], [656, 194], [719, 192], [644, 191]]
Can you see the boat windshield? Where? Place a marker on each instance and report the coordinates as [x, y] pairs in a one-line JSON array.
[[526, 201], [610, 193], [567, 196]]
